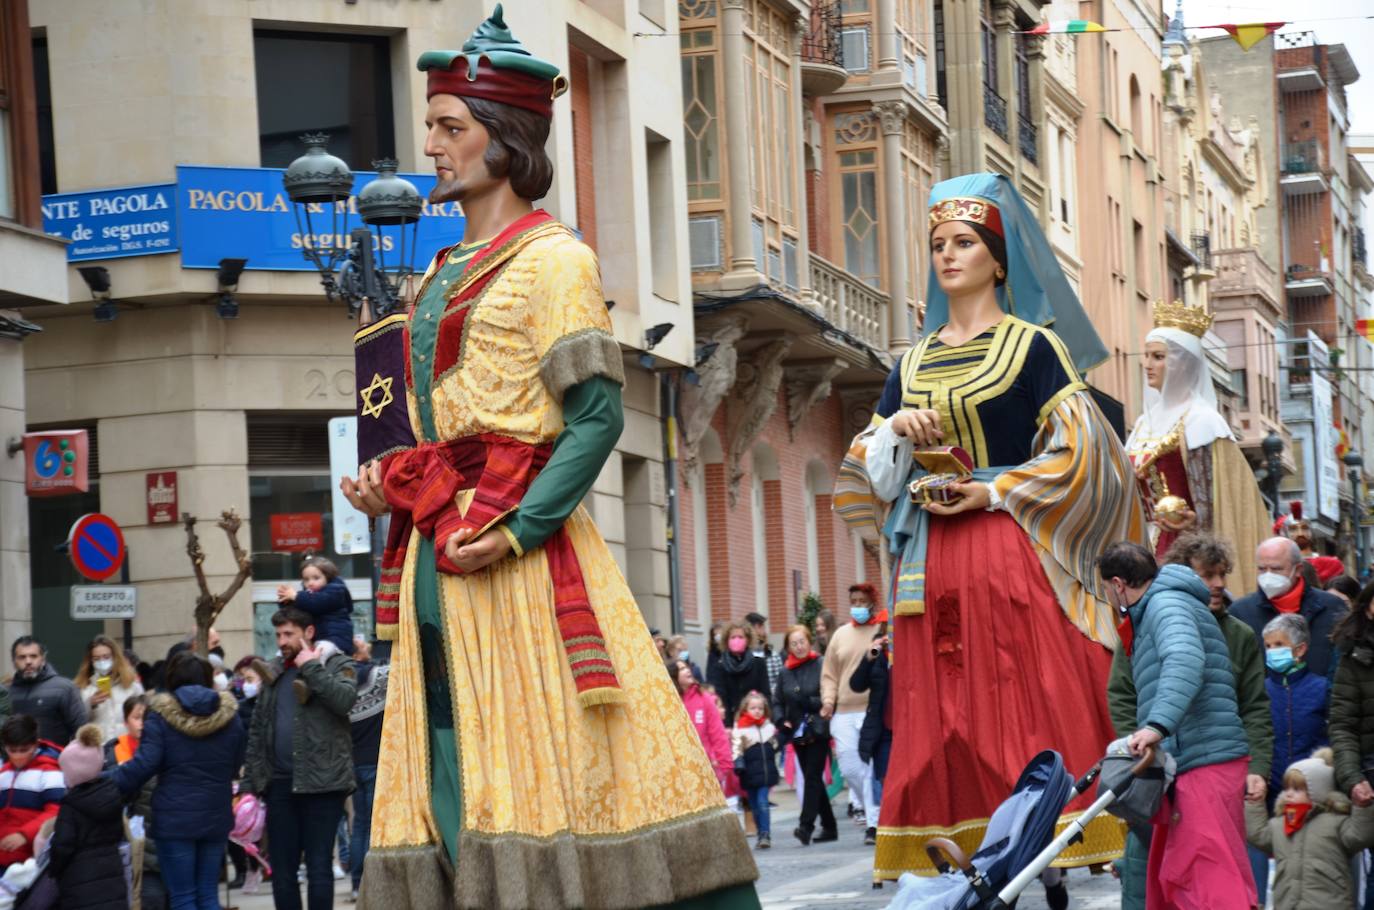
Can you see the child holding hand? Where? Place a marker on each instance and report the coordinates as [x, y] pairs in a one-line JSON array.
[[1312, 837]]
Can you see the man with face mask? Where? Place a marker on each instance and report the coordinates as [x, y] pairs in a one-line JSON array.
[[1282, 590], [38, 691], [845, 708]]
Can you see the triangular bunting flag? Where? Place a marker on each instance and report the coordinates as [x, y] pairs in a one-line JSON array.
[[1066, 27], [1248, 34]]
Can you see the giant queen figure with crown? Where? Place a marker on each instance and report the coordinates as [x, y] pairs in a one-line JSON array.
[[535, 755], [1192, 474], [1006, 483]]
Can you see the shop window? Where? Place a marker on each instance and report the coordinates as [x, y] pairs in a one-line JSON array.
[[318, 83]]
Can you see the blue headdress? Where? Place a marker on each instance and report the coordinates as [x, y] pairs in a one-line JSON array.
[[1036, 289]]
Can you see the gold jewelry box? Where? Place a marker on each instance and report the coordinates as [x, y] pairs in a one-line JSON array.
[[947, 465]]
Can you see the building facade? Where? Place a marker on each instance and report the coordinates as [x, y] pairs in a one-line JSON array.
[[1120, 186], [809, 266], [235, 410], [33, 271]]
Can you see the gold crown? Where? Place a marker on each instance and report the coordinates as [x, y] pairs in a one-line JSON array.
[[966, 208], [1192, 319]]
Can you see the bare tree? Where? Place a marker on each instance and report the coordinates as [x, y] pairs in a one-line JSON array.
[[209, 606]]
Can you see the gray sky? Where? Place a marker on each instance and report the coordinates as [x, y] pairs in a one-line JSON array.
[[1356, 34]]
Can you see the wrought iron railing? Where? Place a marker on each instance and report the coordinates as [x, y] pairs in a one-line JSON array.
[[822, 42], [995, 111], [1026, 136], [1202, 249], [1302, 157]]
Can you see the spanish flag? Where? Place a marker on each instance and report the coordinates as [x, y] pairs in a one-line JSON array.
[[1365, 328]]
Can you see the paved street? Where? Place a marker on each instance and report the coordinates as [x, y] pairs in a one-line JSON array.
[[834, 876]]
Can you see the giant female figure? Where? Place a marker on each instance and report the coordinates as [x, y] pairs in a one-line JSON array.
[[1002, 634], [1192, 473]]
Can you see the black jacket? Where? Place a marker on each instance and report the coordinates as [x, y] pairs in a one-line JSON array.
[[735, 678], [798, 697], [53, 701], [1321, 610], [85, 857], [871, 676]]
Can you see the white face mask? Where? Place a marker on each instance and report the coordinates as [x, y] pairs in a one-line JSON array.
[[250, 689], [103, 667], [1274, 584], [221, 682], [216, 661]]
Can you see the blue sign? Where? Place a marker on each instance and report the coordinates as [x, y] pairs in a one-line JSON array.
[[110, 224], [244, 213]]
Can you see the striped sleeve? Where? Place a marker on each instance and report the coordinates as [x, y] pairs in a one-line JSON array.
[[1074, 497]]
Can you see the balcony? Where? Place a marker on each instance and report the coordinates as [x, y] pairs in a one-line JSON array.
[[849, 304], [1202, 250], [822, 53], [1358, 250], [1026, 136], [1302, 169], [1245, 282], [995, 112], [1304, 281]]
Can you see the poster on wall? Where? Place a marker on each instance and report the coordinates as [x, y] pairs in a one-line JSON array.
[[162, 497], [297, 532], [351, 533]]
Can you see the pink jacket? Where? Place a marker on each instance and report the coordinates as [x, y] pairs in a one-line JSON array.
[[701, 708]]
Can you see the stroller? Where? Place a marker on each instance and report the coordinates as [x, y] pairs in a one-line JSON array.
[[1019, 835]]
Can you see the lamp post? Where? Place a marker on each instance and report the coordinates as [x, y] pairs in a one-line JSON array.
[[1354, 462], [353, 264], [1273, 458]]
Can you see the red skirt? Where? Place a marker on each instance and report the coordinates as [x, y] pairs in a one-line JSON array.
[[991, 674]]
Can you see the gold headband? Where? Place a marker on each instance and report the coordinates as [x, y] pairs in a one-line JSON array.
[[966, 208], [1192, 319]]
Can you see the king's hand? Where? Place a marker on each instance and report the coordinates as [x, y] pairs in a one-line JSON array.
[[482, 552], [364, 492]]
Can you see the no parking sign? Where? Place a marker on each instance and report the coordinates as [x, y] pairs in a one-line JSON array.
[[96, 546]]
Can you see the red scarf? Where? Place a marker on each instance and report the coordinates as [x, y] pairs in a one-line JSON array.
[[1294, 814], [1126, 630], [746, 719], [1292, 601], [879, 616], [793, 663]]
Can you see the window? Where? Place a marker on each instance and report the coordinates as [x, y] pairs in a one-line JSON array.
[[941, 85], [1023, 90], [700, 105], [42, 89], [1137, 115], [1240, 384], [703, 236], [989, 37], [853, 7], [774, 141], [658, 156], [918, 155], [854, 48], [859, 207], [335, 84], [6, 164]]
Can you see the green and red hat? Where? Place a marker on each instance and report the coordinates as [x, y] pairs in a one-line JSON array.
[[495, 67]]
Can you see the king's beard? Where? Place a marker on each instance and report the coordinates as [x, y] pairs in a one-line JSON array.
[[447, 191]]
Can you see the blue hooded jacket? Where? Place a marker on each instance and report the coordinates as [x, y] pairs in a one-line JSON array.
[[1184, 682], [1298, 703], [332, 608], [193, 741]]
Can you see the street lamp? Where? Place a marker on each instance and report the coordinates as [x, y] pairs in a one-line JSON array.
[[1354, 462], [1273, 458], [352, 263]]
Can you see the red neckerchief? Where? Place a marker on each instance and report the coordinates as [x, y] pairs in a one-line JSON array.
[[1126, 631], [1292, 601], [1294, 814], [746, 719], [793, 663], [880, 616]]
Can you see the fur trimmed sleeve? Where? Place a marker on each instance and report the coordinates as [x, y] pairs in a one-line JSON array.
[[569, 323]]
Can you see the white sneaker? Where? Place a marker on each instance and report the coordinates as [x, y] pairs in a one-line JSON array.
[[338, 873], [252, 880], [860, 820]]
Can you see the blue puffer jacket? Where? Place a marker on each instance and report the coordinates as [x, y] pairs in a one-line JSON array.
[[1184, 683], [1298, 703], [193, 741]]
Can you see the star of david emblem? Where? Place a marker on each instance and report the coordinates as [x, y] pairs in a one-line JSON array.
[[374, 408]]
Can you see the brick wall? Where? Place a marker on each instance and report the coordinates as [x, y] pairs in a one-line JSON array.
[[821, 437], [584, 178]]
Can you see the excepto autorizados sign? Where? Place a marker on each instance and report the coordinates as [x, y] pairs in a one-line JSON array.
[[104, 601]]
